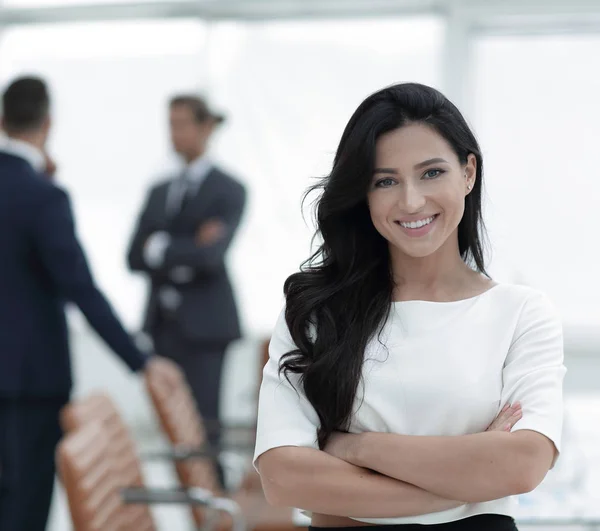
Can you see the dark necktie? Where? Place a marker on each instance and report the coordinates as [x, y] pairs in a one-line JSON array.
[[180, 195]]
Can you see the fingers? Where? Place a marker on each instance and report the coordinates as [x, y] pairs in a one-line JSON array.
[[507, 418], [517, 414]]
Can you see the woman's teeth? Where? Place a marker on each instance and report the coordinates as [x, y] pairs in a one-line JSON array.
[[417, 224]]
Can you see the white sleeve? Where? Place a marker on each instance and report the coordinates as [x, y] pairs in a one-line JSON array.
[[285, 416], [155, 249], [533, 371]]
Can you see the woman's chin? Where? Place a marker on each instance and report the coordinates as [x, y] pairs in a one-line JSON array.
[[414, 249]]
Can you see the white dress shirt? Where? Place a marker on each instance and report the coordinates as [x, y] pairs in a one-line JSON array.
[[442, 368], [23, 150]]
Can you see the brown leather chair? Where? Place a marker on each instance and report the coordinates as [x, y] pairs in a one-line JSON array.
[[181, 423], [101, 473], [183, 426], [99, 407], [91, 480]]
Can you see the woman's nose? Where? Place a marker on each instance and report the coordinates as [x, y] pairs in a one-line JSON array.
[[412, 199]]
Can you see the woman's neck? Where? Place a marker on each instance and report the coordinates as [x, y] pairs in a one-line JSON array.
[[442, 275]]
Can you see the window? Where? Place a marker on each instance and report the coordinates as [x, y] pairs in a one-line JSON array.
[[538, 124]]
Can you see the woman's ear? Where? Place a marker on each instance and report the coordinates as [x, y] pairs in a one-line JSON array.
[[470, 173]]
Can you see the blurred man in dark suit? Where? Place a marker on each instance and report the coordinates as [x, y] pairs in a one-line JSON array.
[[182, 235], [41, 265]]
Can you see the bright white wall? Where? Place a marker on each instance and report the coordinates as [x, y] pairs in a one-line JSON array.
[[537, 114]]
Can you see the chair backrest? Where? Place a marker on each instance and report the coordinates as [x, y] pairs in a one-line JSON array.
[[98, 408], [182, 423], [91, 480]]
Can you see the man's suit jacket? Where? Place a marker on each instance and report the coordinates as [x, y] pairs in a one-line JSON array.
[[42, 265], [207, 312]]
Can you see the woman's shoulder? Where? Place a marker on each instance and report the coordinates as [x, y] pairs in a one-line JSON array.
[[527, 302], [517, 293], [281, 337]]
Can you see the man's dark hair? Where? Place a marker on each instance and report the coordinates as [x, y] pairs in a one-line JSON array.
[[198, 106], [25, 105]]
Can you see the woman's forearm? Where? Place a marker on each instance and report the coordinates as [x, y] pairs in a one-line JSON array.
[[314, 481], [474, 468]]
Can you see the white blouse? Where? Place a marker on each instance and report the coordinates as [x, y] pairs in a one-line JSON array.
[[447, 368]]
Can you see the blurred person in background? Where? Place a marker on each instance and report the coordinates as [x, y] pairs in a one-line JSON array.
[[182, 235], [42, 265]]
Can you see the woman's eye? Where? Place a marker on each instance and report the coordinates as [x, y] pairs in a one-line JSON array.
[[432, 174], [384, 183]]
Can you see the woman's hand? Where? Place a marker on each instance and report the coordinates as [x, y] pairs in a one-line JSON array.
[[507, 418], [343, 445]]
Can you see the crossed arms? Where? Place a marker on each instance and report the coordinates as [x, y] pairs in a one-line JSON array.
[[378, 475], [204, 251]]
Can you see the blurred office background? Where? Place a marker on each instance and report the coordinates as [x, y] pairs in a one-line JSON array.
[[288, 74]]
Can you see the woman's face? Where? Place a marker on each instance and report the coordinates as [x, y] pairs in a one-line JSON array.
[[417, 192]]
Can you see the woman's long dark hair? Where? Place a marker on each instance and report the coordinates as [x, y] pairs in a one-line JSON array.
[[342, 296]]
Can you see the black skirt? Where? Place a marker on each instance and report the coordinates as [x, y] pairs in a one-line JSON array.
[[482, 522]]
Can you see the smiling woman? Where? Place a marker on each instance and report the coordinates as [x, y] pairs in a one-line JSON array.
[[385, 397]]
